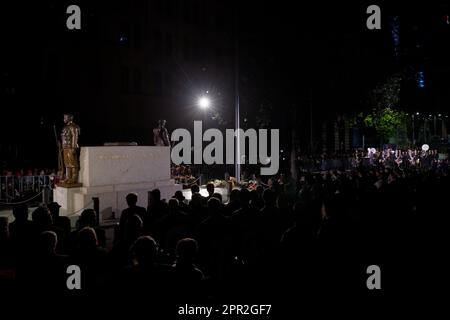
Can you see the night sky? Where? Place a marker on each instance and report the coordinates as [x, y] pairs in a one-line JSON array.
[[291, 56]]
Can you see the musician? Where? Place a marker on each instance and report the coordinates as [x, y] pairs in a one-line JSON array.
[[417, 159], [434, 159], [371, 155], [388, 158], [426, 160], [355, 161], [398, 158], [410, 158], [405, 160]]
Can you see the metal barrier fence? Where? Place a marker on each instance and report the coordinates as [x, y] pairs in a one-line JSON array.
[[16, 189]]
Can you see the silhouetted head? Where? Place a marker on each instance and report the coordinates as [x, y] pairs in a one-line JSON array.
[[195, 188], [47, 242], [155, 195], [179, 196], [131, 199], [20, 212], [144, 251], [210, 188], [87, 238], [87, 218], [54, 208], [41, 217], [186, 250]]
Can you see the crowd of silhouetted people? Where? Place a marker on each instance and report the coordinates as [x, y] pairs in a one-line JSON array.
[[316, 236]]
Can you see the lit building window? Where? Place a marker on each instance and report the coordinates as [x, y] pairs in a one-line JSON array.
[[420, 79]]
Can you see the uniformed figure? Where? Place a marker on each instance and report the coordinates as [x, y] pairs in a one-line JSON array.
[[69, 142], [161, 135]]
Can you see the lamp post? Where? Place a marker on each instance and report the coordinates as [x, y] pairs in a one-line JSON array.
[[204, 103], [237, 163]]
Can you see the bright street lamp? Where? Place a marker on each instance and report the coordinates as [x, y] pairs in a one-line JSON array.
[[204, 102]]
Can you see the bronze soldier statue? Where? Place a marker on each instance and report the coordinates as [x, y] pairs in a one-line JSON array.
[[161, 135], [69, 142]]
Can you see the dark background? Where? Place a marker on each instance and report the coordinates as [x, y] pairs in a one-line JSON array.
[[134, 62]]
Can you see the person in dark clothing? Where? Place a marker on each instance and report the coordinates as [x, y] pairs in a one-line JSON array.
[[218, 196], [270, 226], [58, 221], [174, 226], [188, 278], [87, 219], [7, 261], [336, 242], [146, 281], [299, 244], [214, 237], [256, 200], [195, 189], [286, 217], [46, 269], [234, 203], [90, 257], [42, 221], [197, 210], [156, 209], [243, 221], [181, 201], [21, 230], [133, 229], [210, 189], [4, 234], [132, 209]]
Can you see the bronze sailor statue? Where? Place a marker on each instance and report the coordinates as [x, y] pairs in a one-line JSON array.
[[69, 146], [161, 135]]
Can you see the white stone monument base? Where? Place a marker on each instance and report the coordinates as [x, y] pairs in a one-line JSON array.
[[111, 172], [111, 198]]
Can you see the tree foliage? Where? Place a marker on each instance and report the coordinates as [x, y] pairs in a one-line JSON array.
[[388, 121]]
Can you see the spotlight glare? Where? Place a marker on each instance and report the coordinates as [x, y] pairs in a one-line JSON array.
[[204, 102]]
